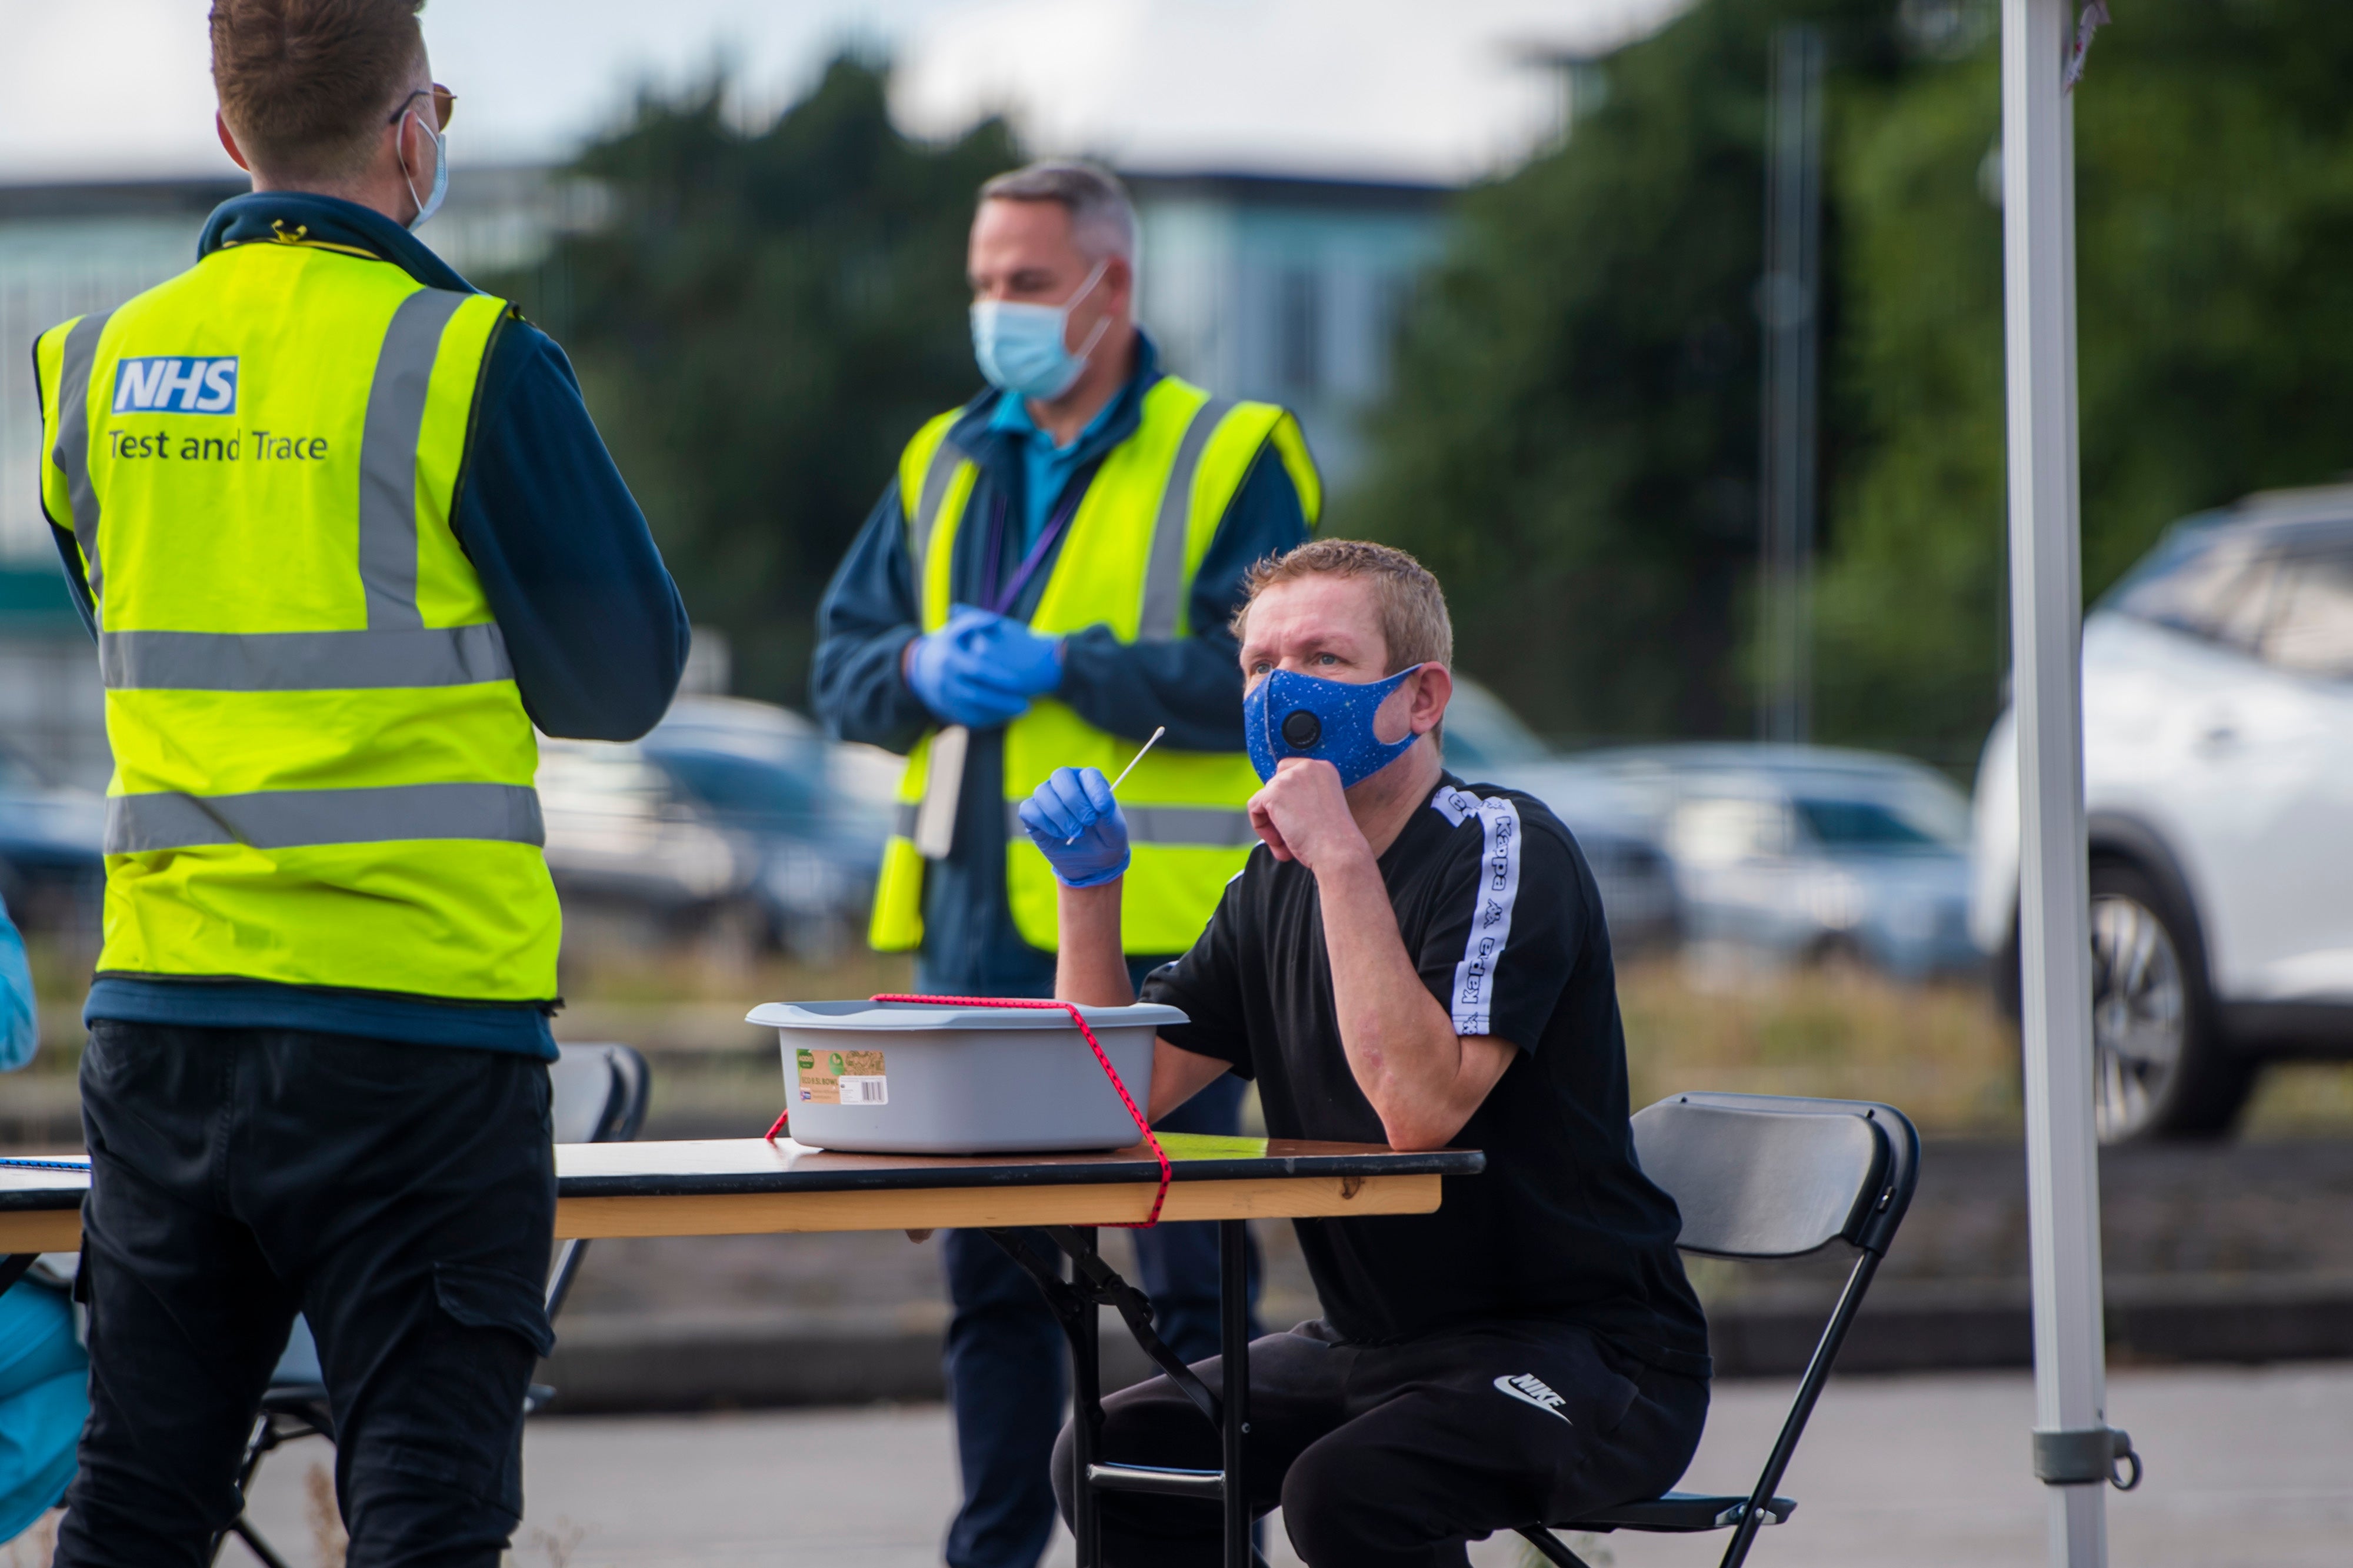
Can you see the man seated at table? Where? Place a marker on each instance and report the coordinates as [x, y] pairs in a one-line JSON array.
[[1412, 960]]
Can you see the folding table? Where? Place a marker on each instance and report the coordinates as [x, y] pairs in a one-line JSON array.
[[747, 1186]]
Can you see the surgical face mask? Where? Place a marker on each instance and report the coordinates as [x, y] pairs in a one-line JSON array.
[[1292, 715], [426, 205], [1021, 347]]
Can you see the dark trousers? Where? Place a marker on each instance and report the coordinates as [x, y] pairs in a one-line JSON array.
[[1393, 1456], [400, 1196], [1008, 1363]]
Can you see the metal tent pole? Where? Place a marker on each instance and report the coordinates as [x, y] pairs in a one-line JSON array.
[[1788, 300], [2046, 622]]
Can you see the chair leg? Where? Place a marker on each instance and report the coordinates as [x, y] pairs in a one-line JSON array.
[[254, 1543], [1554, 1549]]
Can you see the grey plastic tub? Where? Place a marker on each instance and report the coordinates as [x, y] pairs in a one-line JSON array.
[[912, 1077]]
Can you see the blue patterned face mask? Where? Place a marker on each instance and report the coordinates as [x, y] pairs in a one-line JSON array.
[[1293, 715]]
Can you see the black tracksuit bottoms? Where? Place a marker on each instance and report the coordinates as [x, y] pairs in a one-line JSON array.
[[1393, 1456], [400, 1196]]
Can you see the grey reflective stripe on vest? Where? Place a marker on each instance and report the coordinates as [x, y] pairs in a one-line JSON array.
[[291, 819], [1164, 576], [303, 661], [396, 415], [945, 459], [903, 818], [72, 451], [1187, 826]]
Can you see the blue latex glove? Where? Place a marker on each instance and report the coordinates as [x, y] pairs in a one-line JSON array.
[[956, 673], [1030, 663], [1077, 804]]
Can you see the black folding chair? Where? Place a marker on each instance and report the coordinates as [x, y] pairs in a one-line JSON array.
[[1761, 1176], [599, 1097]]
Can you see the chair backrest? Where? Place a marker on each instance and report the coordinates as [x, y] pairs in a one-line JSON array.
[[1760, 1175], [599, 1097], [599, 1093]]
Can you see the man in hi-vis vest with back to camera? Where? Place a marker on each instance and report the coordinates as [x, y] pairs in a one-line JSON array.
[[1048, 578], [345, 531]]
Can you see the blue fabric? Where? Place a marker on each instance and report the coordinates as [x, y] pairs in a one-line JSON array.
[[1290, 714], [20, 1032], [592, 622], [259, 1005], [44, 1400], [1045, 467], [1193, 686]]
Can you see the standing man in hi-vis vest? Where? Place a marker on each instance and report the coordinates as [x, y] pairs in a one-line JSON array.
[[345, 531], [1045, 581]]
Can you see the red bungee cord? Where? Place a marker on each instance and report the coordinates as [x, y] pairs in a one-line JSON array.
[[1093, 1044]]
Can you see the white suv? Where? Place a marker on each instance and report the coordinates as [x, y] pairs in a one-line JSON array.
[[2217, 778]]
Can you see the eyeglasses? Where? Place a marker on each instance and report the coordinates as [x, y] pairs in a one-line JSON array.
[[444, 104]]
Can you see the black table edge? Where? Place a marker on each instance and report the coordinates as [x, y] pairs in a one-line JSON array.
[[1434, 1162]]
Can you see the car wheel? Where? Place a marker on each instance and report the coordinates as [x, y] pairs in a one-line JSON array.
[[2160, 1068]]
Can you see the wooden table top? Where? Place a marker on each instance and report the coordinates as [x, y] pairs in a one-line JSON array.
[[734, 1165], [741, 1185]]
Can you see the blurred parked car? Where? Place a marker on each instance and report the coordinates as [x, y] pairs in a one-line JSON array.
[[1486, 742], [730, 814], [1807, 854], [52, 870], [2218, 775]]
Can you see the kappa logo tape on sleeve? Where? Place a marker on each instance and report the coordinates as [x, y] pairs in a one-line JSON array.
[[1498, 891]]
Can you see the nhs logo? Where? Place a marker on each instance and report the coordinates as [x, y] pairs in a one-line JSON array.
[[168, 384]]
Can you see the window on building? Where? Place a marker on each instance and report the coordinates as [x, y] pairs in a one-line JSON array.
[[1299, 330]]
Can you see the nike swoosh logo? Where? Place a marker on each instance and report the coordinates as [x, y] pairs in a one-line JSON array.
[[1503, 1385]]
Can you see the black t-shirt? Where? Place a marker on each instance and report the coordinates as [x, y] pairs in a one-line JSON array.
[[1500, 912]]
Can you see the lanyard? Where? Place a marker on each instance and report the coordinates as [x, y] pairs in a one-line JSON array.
[[1001, 601]]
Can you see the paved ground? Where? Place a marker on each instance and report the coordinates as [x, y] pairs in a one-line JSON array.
[[2247, 1466]]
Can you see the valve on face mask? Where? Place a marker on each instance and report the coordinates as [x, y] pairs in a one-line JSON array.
[[1329, 720]]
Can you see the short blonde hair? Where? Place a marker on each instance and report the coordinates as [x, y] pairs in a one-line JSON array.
[[1409, 605]]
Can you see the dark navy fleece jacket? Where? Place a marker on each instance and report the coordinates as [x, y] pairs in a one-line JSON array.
[[592, 622], [1193, 686]]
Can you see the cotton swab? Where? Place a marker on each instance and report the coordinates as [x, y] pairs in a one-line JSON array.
[[1147, 745]]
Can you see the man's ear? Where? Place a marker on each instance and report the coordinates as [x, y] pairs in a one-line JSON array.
[[229, 143], [1433, 689], [1119, 284]]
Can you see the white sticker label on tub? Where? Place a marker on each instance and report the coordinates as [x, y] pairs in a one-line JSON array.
[[840, 1078]]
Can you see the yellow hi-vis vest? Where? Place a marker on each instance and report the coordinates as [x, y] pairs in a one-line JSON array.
[[323, 764], [1128, 563]]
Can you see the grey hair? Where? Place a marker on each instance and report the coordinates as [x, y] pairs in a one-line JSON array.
[[1103, 220]]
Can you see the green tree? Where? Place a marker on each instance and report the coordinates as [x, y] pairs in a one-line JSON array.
[[1572, 445], [2214, 179], [763, 322], [1573, 442]]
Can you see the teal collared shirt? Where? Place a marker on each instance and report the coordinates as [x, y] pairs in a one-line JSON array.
[[1045, 468]]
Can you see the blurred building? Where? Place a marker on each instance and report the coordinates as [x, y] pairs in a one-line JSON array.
[[1287, 289]]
